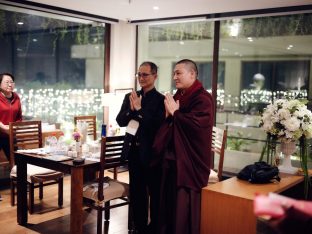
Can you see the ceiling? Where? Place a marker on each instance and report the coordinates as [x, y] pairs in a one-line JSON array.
[[129, 10]]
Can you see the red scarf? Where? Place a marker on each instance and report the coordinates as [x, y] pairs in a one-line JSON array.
[[184, 96]]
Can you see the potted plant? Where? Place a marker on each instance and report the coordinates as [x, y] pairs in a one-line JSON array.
[[289, 121]]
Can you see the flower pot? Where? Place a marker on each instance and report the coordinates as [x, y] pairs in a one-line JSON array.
[[288, 148], [78, 149], [82, 127]]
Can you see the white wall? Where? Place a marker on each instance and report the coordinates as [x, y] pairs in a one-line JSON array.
[[122, 73]]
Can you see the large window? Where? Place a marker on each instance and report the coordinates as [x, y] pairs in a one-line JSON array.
[[166, 44], [260, 59], [269, 56], [58, 63], [265, 58]]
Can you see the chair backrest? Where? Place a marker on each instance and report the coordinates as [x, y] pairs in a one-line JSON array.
[[4, 163], [111, 150], [91, 120], [218, 146], [24, 135]]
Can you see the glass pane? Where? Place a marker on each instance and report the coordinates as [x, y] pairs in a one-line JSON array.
[[58, 63], [165, 44], [265, 58]]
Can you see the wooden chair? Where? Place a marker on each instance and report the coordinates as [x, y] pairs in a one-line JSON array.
[[91, 120], [218, 146], [4, 163], [28, 135], [98, 194]]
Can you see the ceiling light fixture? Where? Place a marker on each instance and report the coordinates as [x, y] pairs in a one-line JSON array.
[[234, 30], [235, 27], [156, 8], [290, 47], [20, 23]]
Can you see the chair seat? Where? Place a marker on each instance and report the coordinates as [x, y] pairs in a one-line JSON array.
[[37, 174], [112, 189], [213, 177]]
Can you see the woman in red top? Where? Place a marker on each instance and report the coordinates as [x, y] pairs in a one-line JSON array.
[[10, 110]]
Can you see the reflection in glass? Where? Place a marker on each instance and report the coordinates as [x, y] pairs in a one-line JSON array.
[[54, 58], [265, 58], [260, 59], [165, 44]]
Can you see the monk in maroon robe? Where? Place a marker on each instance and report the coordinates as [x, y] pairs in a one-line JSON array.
[[183, 151]]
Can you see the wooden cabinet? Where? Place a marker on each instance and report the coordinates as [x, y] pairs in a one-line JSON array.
[[227, 206]]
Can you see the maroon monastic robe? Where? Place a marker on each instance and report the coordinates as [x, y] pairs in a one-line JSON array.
[[183, 150]]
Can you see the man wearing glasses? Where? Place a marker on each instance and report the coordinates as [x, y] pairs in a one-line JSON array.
[[145, 108]]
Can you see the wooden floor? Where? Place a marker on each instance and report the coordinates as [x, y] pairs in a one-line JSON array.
[[48, 218]]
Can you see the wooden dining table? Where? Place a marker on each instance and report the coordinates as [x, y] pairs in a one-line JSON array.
[[76, 194]]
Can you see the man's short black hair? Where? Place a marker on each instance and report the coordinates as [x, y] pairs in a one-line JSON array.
[[152, 66]]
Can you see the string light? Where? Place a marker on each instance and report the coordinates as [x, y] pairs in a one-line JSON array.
[[60, 106]]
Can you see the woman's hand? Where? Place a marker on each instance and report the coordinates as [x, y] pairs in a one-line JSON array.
[[4, 128]]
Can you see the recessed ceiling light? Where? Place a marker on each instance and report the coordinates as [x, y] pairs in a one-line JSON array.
[[34, 40], [290, 47], [20, 23], [234, 30], [156, 8]]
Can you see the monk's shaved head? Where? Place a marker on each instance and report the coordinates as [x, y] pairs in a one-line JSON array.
[[189, 64]]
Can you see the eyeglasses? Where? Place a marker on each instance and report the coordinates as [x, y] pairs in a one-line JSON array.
[[7, 83], [143, 75]]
